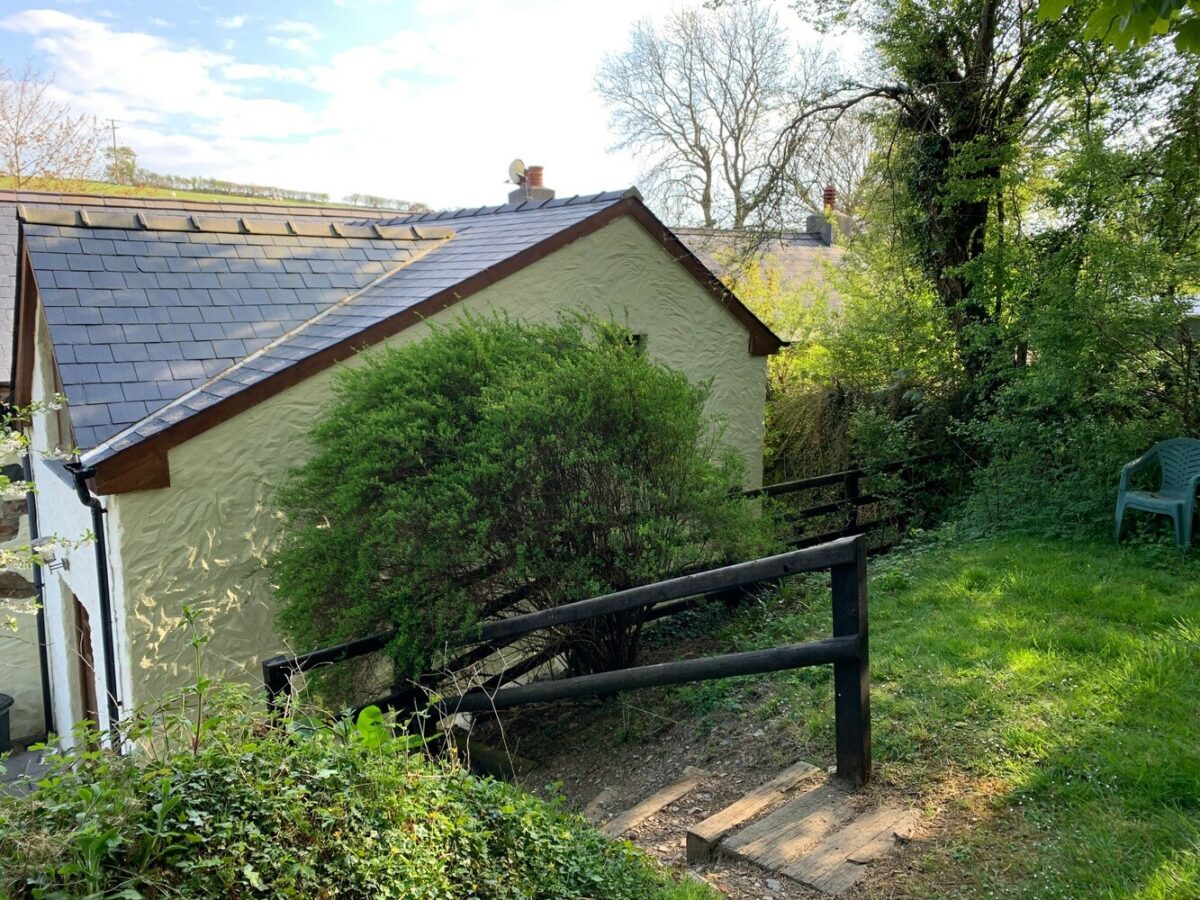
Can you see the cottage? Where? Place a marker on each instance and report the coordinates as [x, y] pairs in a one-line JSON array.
[[195, 351]]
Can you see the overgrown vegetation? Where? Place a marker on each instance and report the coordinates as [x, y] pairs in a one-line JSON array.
[[220, 802], [496, 463], [1020, 292]]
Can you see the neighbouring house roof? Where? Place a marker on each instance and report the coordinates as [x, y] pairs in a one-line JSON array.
[[9, 229], [162, 325], [800, 257]]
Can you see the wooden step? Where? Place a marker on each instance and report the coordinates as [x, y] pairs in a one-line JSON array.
[[655, 802], [819, 839], [838, 862], [782, 837], [702, 838]]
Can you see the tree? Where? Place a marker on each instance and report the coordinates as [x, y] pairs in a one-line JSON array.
[[704, 98], [377, 202], [122, 165], [497, 464], [41, 138], [969, 85]]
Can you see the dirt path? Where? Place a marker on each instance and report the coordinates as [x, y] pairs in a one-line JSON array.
[[620, 752]]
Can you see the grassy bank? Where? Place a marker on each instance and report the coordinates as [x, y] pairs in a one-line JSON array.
[[106, 188], [1041, 700]]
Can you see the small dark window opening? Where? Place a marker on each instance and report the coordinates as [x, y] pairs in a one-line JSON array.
[[638, 341]]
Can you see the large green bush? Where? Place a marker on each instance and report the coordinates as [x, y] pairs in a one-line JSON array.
[[251, 808], [497, 463]]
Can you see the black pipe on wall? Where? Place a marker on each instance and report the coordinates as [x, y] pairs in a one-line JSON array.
[[82, 474]]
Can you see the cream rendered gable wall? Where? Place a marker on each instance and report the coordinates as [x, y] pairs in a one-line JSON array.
[[203, 541]]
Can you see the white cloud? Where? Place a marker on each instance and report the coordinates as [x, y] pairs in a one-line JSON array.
[[305, 29], [144, 79], [296, 45], [432, 112], [231, 22], [265, 72]]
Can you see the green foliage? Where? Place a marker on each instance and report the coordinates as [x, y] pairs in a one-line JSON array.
[[122, 165], [496, 462], [239, 806], [1020, 292], [1133, 23]]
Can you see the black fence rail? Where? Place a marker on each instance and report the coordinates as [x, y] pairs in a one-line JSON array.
[[846, 650], [840, 502]]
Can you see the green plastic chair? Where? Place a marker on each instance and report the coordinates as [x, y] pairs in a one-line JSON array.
[[1179, 461]]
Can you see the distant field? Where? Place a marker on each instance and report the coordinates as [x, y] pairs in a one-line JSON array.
[[124, 190]]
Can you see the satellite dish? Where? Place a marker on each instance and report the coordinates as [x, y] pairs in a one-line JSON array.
[[516, 172]]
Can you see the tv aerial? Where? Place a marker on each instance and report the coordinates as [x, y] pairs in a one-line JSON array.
[[516, 172]]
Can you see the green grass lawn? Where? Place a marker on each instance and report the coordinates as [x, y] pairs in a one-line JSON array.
[[1040, 699]]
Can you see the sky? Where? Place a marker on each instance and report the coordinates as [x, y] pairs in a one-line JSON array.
[[421, 100]]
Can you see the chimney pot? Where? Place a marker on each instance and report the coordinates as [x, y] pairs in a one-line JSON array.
[[532, 188], [830, 197]]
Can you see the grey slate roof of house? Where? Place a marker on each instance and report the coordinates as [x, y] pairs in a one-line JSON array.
[[151, 325], [800, 257], [37, 200]]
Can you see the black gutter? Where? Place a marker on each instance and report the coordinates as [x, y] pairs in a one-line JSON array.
[[82, 474], [39, 592]]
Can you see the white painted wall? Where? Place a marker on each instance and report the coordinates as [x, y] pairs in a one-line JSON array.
[[60, 513]]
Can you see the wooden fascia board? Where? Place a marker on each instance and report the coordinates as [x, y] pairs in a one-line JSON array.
[[24, 330]]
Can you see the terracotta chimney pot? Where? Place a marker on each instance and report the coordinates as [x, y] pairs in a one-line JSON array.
[[830, 197]]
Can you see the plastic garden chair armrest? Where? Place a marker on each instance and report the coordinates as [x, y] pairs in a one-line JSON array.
[[1132, 468]]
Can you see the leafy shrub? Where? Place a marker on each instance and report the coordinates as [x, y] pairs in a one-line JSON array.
[[496, 463], [238, 806]]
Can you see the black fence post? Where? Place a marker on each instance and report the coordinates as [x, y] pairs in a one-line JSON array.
[[852, 680], [853, 492], [277, 678]]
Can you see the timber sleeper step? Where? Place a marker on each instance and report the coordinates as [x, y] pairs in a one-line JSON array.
[[634, 816], [703, 837], [818, 838]]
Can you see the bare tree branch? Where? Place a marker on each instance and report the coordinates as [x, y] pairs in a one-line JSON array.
[[705, 100]]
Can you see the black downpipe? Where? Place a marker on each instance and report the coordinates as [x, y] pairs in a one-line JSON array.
[[82, 474], [39, 592]]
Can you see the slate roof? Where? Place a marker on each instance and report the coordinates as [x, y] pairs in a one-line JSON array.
[[800, 257], [154, 318], [39, 200], [139, 315]]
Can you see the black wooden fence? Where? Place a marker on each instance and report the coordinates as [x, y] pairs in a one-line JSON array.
[[840, 501], [846, 650]]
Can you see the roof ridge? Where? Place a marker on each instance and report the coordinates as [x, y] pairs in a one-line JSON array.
[[215, 224], [421, 253], [523, 206]]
